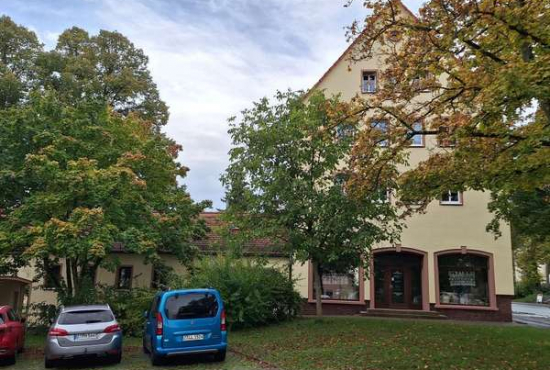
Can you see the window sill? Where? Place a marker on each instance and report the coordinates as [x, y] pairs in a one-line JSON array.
[[450, 204], [464, 307], [336, 301], [417, 146]]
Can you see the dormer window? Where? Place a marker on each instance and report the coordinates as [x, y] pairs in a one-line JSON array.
[[368, 82]]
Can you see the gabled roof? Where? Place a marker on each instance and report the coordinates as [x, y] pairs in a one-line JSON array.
[[349, 48], [214, 241]]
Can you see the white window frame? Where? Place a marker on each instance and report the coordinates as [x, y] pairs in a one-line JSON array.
[[415, 128], [449, 202], [368, 88]]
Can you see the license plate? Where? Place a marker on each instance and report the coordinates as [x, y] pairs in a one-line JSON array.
[[79, 337], [190, 337]]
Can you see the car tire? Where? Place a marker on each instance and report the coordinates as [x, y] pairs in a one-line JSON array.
[[117, 358], [49, 364], [156, 360], [220, 356], [145, 350], [11, 360]]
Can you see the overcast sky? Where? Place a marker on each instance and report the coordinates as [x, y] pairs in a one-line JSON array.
[[209, 58]]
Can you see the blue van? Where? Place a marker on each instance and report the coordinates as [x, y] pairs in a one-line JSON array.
[[190, 321]]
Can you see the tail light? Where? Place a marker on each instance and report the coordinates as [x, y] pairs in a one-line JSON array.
[[223, 325], [160, 324], [112, 329], [57, 332]]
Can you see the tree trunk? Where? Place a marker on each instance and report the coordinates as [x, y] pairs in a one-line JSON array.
[[68, 276], [318, 288]]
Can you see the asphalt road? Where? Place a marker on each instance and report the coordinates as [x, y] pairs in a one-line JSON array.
[[531, 314]]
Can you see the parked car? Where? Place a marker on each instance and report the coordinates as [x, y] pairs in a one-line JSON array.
[[81, 331], [185, 322], [12, 334]]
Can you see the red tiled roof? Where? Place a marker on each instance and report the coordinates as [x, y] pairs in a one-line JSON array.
[[214, 241]]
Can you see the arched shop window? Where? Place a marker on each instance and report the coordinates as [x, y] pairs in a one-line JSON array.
[[464, 279]]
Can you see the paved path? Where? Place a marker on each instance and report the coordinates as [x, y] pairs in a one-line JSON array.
[[531, 314]]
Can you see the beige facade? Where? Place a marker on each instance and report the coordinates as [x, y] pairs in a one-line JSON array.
[[444, 230]]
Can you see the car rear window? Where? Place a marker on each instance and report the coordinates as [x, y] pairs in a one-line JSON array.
[[191, 306], [85, 317]]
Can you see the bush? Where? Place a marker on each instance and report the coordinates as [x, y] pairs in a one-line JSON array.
[[253, 293], [128, 307]]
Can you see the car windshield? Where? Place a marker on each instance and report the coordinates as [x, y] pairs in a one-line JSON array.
[[191, 306], [85, 317]]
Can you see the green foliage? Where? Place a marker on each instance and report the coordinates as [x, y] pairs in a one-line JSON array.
[[83, 164], [254, 294], [284, 181], [128, 307]]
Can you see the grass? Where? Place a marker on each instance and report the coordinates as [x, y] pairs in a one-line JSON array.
[[359, 343], [347, 343]]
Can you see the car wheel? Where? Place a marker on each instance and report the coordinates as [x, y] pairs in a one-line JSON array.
[[117, 358], [11, 360], [48, 364], [220, 356], [145, 350], [156, 360]]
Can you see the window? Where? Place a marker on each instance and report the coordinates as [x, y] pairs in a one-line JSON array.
[[124, 277], [368, 82], [445, 138], [383, 195], [382, 128], [345, 131], [451, 198], [85, 317], [417, 140], [340, 181], [191, 306], [339, 285], [463, 279], [52, 276], [1, 319], [159, 279]]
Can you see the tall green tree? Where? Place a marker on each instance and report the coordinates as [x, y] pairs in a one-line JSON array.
[[84, 168], [287, 181]]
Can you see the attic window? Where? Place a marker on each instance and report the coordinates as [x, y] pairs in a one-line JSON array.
[[368, 82]]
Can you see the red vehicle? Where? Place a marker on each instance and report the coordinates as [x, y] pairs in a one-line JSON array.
[[12, 334]]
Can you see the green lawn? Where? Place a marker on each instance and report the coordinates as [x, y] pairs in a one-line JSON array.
[[361, 343]]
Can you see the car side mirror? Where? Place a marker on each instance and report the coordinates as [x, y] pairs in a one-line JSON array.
[[145, 313]]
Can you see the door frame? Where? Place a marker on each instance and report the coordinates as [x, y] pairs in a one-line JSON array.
[[424, 273]]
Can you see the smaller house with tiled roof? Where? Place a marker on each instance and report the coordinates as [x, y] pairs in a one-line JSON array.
[[133, 271]]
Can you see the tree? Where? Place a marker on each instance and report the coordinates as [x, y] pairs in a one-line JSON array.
[[286, 181], [84, 168], [475, 72]]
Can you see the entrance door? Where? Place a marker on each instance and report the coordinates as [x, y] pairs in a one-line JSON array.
[[397, 281]]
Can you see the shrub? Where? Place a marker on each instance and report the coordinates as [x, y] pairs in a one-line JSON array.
[[128, 307], [254, 294]]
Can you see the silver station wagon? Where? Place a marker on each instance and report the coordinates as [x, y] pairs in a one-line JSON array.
[[83, 331]]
